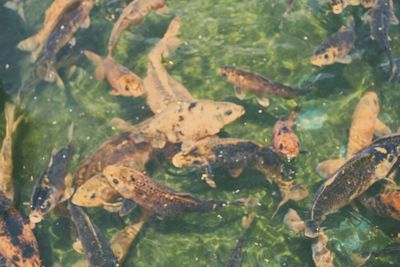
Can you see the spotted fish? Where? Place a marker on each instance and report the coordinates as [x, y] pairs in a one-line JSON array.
[[284, 140], [369, 165]]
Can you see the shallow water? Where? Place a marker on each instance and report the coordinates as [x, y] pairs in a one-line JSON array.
[[248, 34]]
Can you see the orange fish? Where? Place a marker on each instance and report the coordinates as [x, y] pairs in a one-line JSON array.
[[284, 140]]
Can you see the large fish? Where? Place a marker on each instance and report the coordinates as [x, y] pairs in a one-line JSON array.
[[6, 155], [63, 33], [54, 185], [132, 15], [123, 81], [335, 48], [17, 241], [379, 18], [153, 195], [95, 246], [245, 81], [53, 14], [366, 167]]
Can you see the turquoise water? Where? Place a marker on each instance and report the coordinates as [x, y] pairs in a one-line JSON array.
[[248, 34]]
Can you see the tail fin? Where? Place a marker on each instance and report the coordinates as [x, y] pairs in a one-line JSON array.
[[29, 44], [11, 123], [17, 6]]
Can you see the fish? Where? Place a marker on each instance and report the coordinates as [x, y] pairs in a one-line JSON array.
[[185, 122], [95, 246], [17, 5], [161, 89], [6, 154], [17, 241], [369, 165], [236, 154], [379, 18], [53, 15], [360, 259], [153, 195], [335, 48], [123, 239], [123, 81], [321, 255], [338, 5], [284, 140], [365, 123], [63, 33], [386, 204], [55, 184], [245, 81], [133, 15], [236, 257]]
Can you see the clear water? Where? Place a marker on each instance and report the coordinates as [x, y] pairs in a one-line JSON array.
[[249, 34]]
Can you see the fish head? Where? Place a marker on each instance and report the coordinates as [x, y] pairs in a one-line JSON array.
[[287, 145], [128, 85], [189, 157], [324, 56], [312, 229], [222, 112], [337, 6], [371, 102], [43, 200]]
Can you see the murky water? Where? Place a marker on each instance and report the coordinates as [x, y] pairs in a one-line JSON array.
[[249, 34]]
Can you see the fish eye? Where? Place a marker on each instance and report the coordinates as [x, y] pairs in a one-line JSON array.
[[326, 56], [280, 146], [229, 112], [126, 87], [196, 162]]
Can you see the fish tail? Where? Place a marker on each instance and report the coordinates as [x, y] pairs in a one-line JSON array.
[[11, 123], [29, 44]]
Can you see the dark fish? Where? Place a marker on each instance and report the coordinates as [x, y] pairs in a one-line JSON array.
[[367, 166], [153, 195], [236, 257], [77, 16], [54, 186], [95, 245], [245, 81], [379, 18], [17, 241], [236, 154]]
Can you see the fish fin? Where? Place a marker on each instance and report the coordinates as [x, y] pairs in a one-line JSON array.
[[77, 246], [208, 177], [328, 167], [70, 132], [112, 207], [389, 185], [72, 42], [138, 137], [283, 202], [86, 23], [235, 171], [393, 19], [69, 189], [121, 124], [163, 11], [344, 60], [93, 57], [238, 93], [16, 7], [263, 101], [29, 44], [381, 128], [343, 28], [36, 52], [99, 73], [127, 207], [367, 16], [182, 194], [52, 76], [158, 142], [11, 123]]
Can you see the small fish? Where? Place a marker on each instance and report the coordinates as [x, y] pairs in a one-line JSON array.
[[123, 81], [53, 15], [17, 241], [365, 123], [161, 88], [153, 195], [236, 257], [379, 18], [284, 140], [54, 185], [336, 47], [6, 155], [94, 244], [236, 154], [245, 81], [17, 5], [122, 240], [339, 5], [63, 33], [385, 204], [185, 122], [133, 15], [367, 166]]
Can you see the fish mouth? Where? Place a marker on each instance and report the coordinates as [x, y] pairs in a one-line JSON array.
[[34, 218], [312, 229], [314, 61]]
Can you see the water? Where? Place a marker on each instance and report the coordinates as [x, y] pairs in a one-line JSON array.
[[215, 33]]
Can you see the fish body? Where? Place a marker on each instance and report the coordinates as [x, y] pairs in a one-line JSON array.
[[62, 34], [95, 245], [385, 204], [369, 165], [186, 122], [123, 81], [335, 48], [17, 241], [284, 140], [245, 81], [53, 187], [132, 15], [53, 15], [379, 18], [6, 155], [153, 195]]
